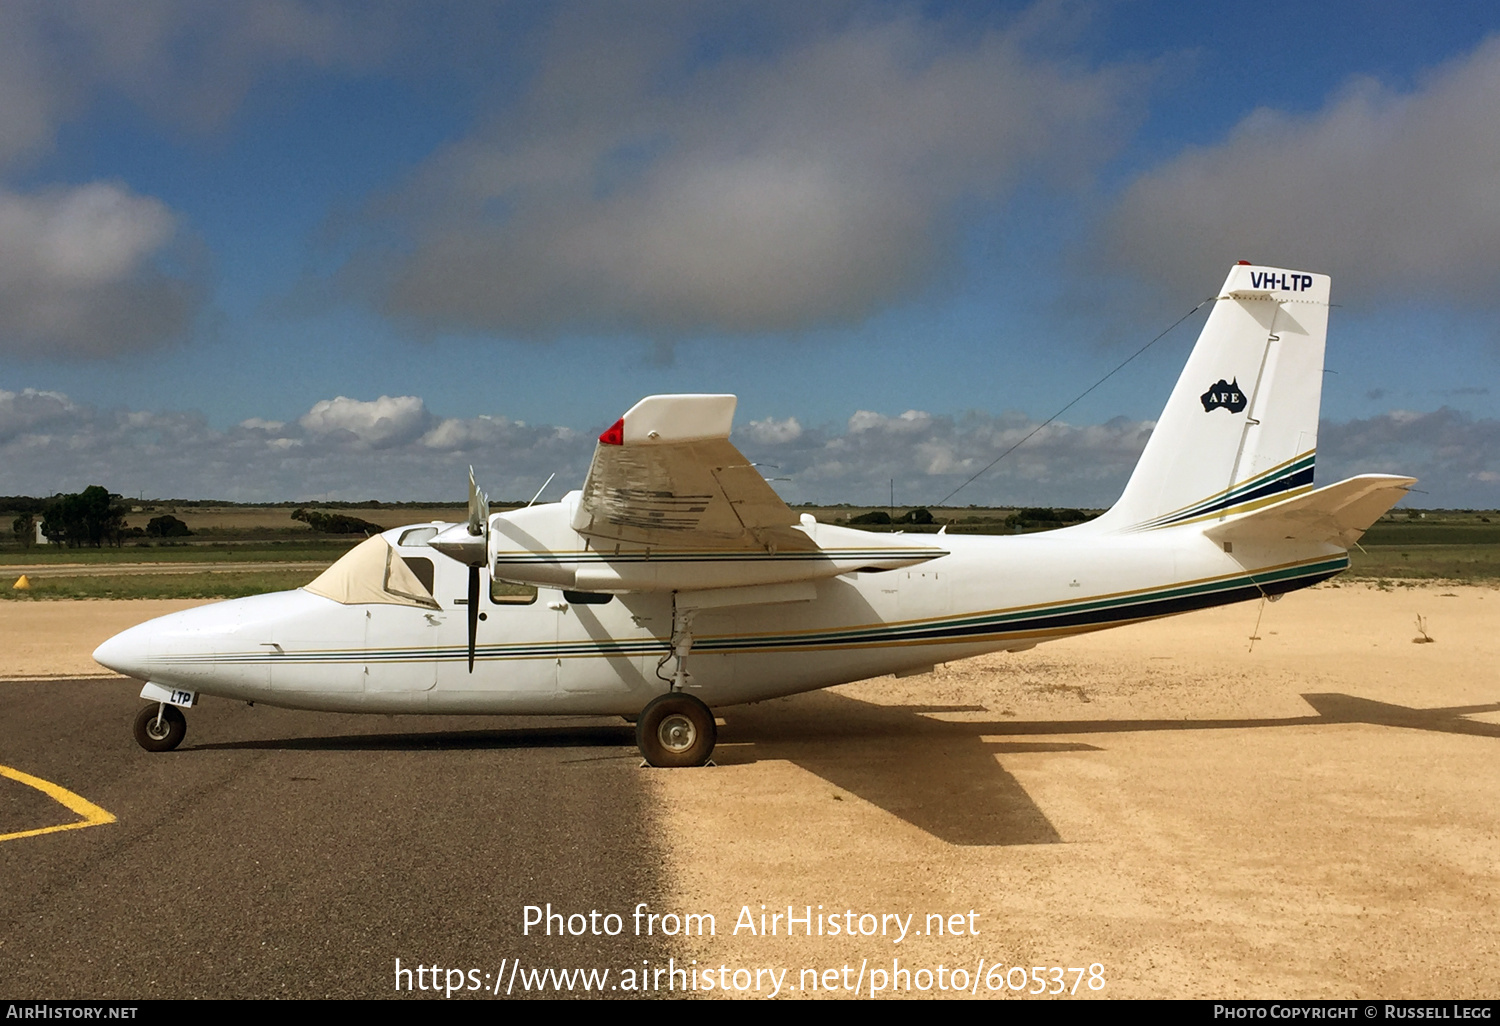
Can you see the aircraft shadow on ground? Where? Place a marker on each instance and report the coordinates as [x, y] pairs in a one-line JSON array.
[[938, 775], [572, 736], [941, 776]]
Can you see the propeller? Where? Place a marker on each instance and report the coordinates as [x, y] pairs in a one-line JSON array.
[[478, 527], [469, 543]]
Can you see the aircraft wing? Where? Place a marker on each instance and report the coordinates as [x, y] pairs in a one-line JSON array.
[[666, 475], [1338, 513]]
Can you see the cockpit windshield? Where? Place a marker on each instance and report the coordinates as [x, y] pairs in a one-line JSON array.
[[373, 572]]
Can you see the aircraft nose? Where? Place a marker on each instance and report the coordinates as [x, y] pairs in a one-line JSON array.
[[127, 653]]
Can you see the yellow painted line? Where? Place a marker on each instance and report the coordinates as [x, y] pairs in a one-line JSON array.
[[91, 813]]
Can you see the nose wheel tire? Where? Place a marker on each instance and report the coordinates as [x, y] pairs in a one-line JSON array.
[[676, 730], [160, 727]]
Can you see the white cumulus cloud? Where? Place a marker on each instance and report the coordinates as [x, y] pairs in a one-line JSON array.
[[910, 422], [188, 61], [387, 421], [96, 270], [641, 187], [774, 432], [1393, 193], [29, 410], [82, 272], [49, 443]]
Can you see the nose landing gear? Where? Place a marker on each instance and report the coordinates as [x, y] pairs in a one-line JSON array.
[[160, 727]]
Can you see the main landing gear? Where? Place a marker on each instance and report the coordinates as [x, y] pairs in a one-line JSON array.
[[677, 729], [160, 727]]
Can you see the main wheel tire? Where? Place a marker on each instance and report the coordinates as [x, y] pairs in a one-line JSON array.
[[676, 730], [163, 736]]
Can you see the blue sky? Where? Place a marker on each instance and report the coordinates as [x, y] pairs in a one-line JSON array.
[[292, 250]]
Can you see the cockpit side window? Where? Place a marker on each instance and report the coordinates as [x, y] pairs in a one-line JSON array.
[[421, 567], [418, 535]]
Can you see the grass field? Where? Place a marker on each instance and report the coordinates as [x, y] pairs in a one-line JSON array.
[[1435, 546], [1470, 564], [148, 586], [268, 552]]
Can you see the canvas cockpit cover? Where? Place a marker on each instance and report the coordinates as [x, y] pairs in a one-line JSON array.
[[372, 572]]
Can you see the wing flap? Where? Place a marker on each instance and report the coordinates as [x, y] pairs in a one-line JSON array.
[[1339, 513]]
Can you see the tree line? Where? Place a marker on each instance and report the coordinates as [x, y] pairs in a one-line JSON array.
[[94, 517]]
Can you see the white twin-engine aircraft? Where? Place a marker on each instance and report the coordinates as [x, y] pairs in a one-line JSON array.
[[677, 579]]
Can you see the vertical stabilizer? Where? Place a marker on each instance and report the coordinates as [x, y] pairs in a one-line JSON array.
[[1240, 430]]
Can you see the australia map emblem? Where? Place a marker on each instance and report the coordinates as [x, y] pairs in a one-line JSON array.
[[1226, 394]]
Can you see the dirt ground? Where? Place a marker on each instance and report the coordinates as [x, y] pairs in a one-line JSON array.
[[1316, 817], [1166, 808], [56, 640]]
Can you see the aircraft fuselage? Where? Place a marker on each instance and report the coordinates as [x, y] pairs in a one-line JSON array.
[[562, 652]]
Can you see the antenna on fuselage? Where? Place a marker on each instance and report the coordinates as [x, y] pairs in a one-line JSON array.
[[542, 489]]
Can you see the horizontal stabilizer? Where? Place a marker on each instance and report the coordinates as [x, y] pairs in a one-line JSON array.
[[1339, 513]]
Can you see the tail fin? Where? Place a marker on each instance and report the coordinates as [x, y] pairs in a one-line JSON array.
[[1240, 430]]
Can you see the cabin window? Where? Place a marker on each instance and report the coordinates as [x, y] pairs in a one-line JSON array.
[[586, 598], [508, 593]]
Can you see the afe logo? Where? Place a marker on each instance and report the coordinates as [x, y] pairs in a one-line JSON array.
[[1224, 394]]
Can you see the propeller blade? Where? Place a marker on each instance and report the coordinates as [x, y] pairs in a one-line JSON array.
[[473, 612], [479, 508]]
